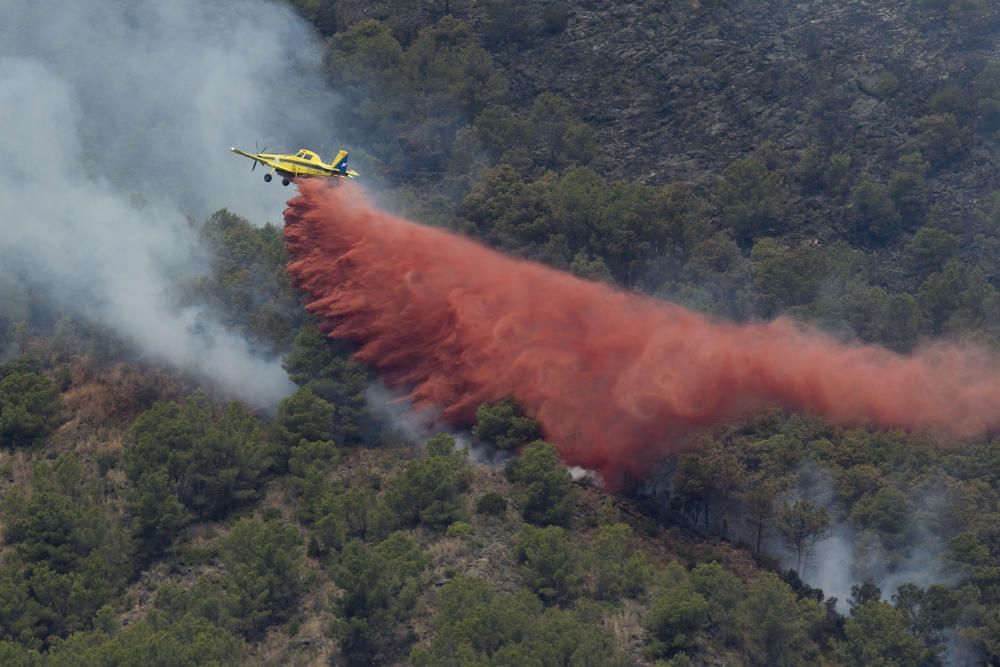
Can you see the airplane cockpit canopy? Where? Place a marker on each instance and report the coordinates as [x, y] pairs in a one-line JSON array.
[[308, 155]]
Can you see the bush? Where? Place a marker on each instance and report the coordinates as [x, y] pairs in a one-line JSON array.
[[492, 504], [459, 529]]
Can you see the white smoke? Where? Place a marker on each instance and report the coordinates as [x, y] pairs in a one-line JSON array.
[[116, 119], [847, 556], [418, 425]]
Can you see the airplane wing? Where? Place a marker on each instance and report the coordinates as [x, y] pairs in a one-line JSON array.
[[267, 161], [245, 154]]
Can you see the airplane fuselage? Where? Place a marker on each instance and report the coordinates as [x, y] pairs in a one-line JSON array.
[[303, 164], [292, 167]]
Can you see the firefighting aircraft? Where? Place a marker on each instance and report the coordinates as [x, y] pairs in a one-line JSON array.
[[303, 163]]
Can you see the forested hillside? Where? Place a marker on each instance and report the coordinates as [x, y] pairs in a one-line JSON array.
[[829, 162]]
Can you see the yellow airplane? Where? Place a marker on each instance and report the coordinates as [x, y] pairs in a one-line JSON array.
[[303, 163]]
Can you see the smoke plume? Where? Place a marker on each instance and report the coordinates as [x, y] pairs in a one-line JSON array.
[[615, 379], [116, 119]]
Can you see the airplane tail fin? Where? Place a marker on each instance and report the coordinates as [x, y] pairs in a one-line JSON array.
[[339, 161]]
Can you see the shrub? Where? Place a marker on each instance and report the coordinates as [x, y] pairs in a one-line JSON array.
[[491, 503]]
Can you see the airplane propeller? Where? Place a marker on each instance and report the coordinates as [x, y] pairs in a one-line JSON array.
[[256, 152]]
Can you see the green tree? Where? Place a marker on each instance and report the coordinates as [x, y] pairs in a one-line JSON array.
[[929, 612], [304, 416], [957, 100], [476, 626], [678, 613], [366, 49], [838, 175], [472, 621], [706, 484], [264, 572], [723, 592], [906, 188], [380, 585], [504, 425], [542, 486], [785, 277], [29, 406], [775, 626], [617, 567], [875, 215], [328, 371], [181, 452], [67, 555], [802, 524], [930, 248], [157, 639], [247, 287], [509, 21], [717, 265], [758, 497], [491, 503], [559, 138], [958, 297], [877, 635], [903, 322], [886, 511], [431, 491], [942, 139], [987, 86], [447, 59], [753, 199], [548, 561]]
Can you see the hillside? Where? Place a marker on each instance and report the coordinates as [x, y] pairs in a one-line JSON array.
[[192, 473]]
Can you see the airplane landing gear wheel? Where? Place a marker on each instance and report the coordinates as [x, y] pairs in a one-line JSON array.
[[285, 181], [267, 178]]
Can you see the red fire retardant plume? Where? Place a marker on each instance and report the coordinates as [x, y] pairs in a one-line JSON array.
[[616, 380]]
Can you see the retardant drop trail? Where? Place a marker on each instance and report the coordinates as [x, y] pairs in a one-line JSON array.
[[615, 379]]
